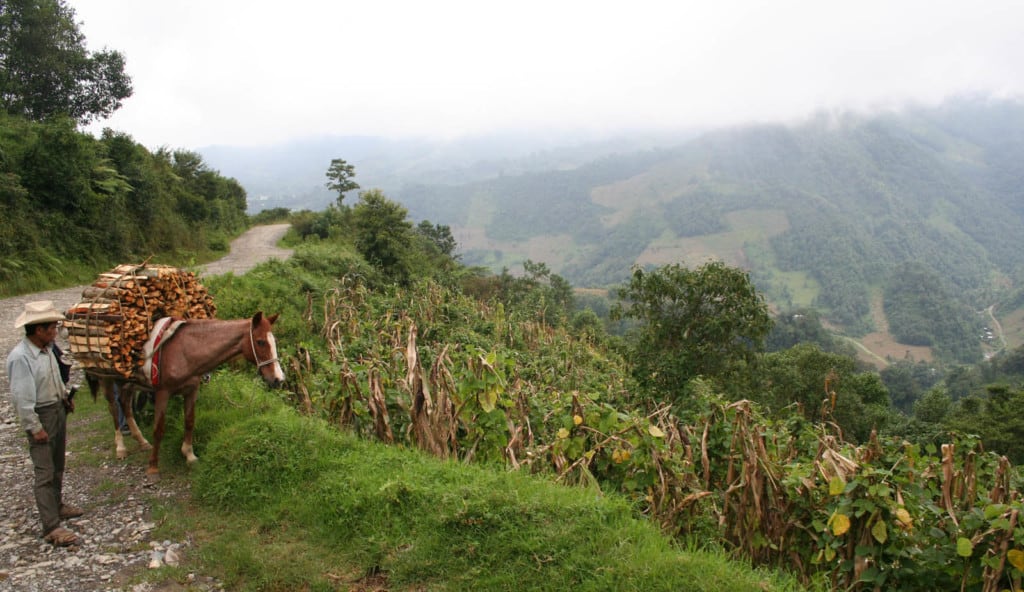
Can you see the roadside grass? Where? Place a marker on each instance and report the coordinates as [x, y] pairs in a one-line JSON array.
[[294, 503], [285, 502]]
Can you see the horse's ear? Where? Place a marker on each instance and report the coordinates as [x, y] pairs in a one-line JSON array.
[[273, 318], [257, 318]]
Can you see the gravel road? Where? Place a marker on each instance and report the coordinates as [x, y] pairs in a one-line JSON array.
[[117, 524]]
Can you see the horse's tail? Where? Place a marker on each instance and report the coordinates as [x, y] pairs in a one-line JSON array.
[[94, 385]]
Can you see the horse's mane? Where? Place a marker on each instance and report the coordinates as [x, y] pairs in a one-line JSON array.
[[208, 324]]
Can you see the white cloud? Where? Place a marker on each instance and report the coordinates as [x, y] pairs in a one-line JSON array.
[[256, 72]]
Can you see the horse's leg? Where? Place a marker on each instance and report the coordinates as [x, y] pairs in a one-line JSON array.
[[190, 422], [159, 413], [127, 392], [108, 391]]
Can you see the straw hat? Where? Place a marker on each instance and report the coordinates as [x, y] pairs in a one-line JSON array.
[[41, 311]]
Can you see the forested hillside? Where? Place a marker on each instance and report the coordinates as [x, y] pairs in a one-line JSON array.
[[823, 214], [73, 202]]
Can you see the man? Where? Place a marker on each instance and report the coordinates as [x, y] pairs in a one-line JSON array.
[[40, 398]]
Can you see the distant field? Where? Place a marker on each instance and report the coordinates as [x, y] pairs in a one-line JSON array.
[[1013, 328], [745, 226], [885, 347], [661, 184], [803, 289], [881, 342], [551, 250]]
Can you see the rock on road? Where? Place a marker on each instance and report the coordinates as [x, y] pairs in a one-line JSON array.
[[116, 528]]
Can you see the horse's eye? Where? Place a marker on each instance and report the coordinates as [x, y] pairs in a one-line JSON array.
[[261, 342]]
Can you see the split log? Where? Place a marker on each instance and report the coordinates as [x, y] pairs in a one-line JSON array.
[[112, 322]]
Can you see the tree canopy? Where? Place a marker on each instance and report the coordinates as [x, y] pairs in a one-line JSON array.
[[46, 70], [341, 178], [700, 322], [384, 234], [92, 202]]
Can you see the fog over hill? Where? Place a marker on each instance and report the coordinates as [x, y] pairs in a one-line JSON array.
[[292, 175], [838, 212]]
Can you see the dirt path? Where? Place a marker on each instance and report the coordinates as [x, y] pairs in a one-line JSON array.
[[116, 527], [991, 310], [257, 245]]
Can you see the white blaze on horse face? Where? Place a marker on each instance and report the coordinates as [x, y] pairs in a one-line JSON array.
[[278, 372]]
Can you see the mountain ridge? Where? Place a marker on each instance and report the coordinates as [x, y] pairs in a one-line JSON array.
[[822, 214]]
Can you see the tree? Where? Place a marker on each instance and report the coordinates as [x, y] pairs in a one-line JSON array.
[[803, 325], [996, 417], [440, 236], [46, 69], [908, 380], [822, 386], [538, 294], [383, 235], [704, 322], [341, 175]]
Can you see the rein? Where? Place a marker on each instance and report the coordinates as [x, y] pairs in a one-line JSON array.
[[256, 356]]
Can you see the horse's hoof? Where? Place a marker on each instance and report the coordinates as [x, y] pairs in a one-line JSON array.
[[122, 454], [152, 479]]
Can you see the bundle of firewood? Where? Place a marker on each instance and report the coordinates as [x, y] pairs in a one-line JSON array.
[[108, 328]]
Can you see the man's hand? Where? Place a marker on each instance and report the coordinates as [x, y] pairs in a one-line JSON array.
[[69, 401], [41, 436]]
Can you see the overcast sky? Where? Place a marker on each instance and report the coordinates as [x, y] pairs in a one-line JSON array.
[[252, 72]]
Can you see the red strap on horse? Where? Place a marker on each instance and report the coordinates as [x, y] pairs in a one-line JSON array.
[[154, 372]]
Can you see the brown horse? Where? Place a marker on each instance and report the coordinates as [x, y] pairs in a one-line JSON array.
[[196, 347]]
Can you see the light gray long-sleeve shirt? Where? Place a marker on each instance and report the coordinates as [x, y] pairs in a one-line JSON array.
[[35, 381]]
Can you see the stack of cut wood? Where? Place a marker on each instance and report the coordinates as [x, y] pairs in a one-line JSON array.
[[108, 328]]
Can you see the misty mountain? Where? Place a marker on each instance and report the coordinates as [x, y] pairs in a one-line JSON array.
[[292, 175], [827, 214], [824, 214]]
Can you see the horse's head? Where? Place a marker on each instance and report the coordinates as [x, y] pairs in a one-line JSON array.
[[262, 350]]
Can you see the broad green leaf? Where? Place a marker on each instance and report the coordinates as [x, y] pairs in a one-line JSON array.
[[655, 431], [993, 510], [904, 517], [964, 547], [488, 400], [563, 433], [871, 575], [1016, 558], [840, 524], [830, 553], [836, 485], [880, 532]]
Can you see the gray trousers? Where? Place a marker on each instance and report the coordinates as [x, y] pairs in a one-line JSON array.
[[48, 463]]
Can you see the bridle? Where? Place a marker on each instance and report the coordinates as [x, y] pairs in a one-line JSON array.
[[256, 356]]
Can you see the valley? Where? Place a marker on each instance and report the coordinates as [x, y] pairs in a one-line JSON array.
[[896, 226]]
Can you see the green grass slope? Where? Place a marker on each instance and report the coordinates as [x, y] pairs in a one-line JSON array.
[[285, 502]]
